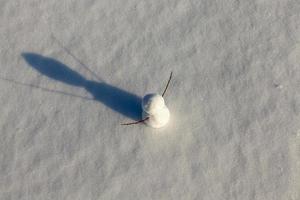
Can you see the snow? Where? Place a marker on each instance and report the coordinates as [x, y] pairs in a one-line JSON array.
[[73, 72], [153, 103], [155, 110]]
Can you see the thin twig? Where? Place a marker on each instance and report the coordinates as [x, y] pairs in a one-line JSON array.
[[167, 84], [137, 122]]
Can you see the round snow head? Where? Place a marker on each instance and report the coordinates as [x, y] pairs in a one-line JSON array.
[[153, 103]]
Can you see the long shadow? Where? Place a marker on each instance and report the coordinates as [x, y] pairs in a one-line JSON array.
[[46, 89], [115, 98]]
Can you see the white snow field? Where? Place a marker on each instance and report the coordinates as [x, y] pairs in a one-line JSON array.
[[71, 72]]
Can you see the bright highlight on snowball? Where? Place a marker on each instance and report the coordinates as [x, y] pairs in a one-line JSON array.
[[155, 110]]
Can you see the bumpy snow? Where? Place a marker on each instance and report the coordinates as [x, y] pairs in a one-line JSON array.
[[71, 72]]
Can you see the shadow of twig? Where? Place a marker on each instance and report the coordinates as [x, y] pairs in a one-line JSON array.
[[46, 89], [75, 58], [115, 98]]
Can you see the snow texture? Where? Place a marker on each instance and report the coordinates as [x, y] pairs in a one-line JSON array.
[[72, 71]]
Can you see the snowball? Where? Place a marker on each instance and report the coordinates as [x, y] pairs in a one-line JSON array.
[[154, 107], [153, 103]]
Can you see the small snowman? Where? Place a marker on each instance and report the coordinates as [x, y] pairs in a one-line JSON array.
[[155, 112]]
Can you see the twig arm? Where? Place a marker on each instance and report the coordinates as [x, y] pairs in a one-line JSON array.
[[167, 84], [137, 122]]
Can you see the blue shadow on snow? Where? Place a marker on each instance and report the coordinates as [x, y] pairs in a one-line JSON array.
[[115, 98]]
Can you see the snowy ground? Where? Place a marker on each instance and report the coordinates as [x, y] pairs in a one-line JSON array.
[[72, 72]]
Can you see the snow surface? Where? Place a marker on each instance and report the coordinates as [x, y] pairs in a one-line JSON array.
[[73, 71]]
